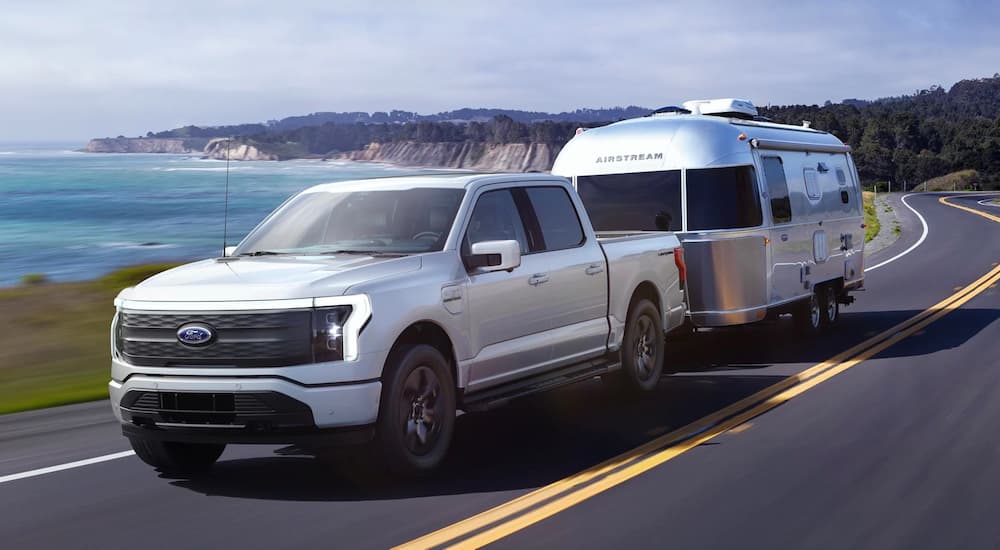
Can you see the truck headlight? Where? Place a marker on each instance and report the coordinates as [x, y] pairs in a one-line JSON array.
[[328, 332], [117, 338], [337, 323]]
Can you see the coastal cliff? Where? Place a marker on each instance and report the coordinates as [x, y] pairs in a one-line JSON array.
[[236, 150], [145, 145], [493, 157]]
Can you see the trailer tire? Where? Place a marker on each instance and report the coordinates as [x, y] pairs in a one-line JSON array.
[[809, 316], [417, 411], [829, 305], [171, 457], [642, 350]]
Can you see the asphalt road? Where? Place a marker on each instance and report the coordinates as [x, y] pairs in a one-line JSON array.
[[900, 450]]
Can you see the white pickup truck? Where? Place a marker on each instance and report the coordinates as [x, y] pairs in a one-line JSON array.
[[370, 311]]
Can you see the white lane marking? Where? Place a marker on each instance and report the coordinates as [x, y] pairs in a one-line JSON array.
[[915, 245], [988, 202], [66, 466]]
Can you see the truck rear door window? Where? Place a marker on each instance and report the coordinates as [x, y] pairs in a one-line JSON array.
[[556, 218], [722, 198], [646, 201], [777, 189]]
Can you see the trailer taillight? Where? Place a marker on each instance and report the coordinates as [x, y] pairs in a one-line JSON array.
[[681, 266]]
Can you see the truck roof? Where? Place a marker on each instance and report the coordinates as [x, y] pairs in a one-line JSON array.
[[673, 141], [443, 180]]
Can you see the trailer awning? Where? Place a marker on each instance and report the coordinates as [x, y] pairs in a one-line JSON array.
[[781, 145]]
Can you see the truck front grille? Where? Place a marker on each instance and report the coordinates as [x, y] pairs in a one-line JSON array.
[[244, 339]]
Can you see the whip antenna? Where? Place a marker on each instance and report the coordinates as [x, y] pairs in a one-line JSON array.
[[225, 215]]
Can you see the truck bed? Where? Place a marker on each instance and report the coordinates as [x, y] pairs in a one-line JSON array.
[[642, 256]]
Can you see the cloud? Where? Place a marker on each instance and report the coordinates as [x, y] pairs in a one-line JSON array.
[[70, 69]]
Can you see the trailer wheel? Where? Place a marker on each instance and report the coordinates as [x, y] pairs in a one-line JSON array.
[[642, 349], [172, 457], [809, 315], [829, 305], [417, 411]]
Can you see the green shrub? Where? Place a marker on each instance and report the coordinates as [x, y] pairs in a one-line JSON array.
[[34, 279], [871, 218]]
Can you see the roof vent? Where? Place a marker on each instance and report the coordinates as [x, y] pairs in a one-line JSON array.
[[670, 110], [728, 107]]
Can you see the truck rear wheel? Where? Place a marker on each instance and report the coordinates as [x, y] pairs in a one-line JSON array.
[[417, 411], [171, 457], [642, 349]]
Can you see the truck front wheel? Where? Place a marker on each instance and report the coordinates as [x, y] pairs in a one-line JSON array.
[[171, 457], [417, 412], [642, 348]]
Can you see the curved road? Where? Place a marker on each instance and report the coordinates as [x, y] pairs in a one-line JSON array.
[[869, 436]]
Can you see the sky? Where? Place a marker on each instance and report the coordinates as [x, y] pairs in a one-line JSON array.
[[74, 70]]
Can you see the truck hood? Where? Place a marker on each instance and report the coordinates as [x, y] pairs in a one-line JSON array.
[[267, 278]]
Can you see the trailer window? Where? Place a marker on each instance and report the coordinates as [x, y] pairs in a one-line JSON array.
[[812, 184], [722, 198], [777, 189], [645, 201]]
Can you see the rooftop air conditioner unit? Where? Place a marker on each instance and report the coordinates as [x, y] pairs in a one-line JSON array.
[[730, 107]]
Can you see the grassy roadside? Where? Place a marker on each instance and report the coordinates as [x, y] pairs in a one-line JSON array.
[[55, 340], [871, 218]]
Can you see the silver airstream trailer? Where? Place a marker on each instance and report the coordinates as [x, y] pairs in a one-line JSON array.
[[770, 215]]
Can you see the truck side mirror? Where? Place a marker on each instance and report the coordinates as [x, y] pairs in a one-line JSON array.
[[489, 256]]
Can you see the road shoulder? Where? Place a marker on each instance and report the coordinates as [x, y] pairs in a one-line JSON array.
[[886, 207]]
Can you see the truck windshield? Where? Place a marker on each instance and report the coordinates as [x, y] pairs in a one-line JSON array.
[[403, 221]]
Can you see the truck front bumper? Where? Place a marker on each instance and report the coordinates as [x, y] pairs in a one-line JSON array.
[[211, 405]]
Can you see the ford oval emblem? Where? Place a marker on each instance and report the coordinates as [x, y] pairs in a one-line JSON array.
[[195, 335]]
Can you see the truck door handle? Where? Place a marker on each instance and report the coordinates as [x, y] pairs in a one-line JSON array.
[[784, 237], [594, 269], [538, 278]]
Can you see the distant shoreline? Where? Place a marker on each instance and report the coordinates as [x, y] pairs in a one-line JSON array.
[[482, 156]]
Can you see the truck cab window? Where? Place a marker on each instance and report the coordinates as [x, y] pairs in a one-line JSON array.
[[495, 218], [556, 219], [722, 198], [643, 201], [777, 189]]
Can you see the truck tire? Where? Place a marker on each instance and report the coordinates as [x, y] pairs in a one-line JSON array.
[[171, 457], [642, 349], [829, 305], [417, 411], [809, 316]]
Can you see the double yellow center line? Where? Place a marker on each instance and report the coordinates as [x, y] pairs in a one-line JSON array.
[[945, 201], [515, 515]]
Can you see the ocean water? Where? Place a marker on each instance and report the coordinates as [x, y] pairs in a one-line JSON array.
[[75, 216]]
